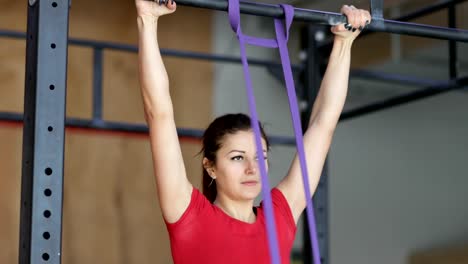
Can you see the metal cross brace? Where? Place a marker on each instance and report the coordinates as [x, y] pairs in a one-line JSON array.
[[377, 12]]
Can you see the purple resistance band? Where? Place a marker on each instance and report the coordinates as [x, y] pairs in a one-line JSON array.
[[282, 35]]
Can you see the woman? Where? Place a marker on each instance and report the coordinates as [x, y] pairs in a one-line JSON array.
[[223, 226]]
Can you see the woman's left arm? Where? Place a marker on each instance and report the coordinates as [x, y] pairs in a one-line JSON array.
[[326, 111]]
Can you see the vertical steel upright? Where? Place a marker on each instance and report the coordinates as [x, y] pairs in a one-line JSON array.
[[43, 133], [311, 78], [453, 61], [98, 61]]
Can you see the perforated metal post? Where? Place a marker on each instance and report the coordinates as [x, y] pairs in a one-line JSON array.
[[43, 134]]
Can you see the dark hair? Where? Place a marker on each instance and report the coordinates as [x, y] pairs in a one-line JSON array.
[[212, 142]]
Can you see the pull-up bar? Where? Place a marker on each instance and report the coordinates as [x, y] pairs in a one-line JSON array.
[[389, 26]]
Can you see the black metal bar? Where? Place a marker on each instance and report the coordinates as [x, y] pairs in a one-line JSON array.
[[317, 16], [12, 34], [335, 18], [453, 62], [388, 77], [377, 11], [165, 52], [224, 58], [410, 16], [267, 10], [180, 53], [97, 83], [406, 28], [377, 8], [406, 98], [321, 207], [109, 126], [27, 170], [44, 132]]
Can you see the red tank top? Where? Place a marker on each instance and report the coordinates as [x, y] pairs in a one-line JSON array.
[[205, 234]]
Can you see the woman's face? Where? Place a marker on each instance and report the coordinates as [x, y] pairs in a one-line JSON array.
[[237, 170]]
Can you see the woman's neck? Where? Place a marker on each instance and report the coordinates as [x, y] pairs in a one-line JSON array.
[[240, 210]]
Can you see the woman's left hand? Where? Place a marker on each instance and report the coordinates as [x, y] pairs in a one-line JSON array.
[[358, 19]]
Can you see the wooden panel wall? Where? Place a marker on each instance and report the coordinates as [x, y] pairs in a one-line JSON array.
[[111, 214]]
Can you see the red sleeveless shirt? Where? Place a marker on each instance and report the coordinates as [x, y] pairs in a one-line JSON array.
[[205, 234]]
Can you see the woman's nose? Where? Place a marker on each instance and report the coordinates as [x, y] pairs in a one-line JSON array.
[[252, 167]]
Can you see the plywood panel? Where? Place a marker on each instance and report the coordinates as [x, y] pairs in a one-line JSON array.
[[79, 82], [117, 218], [10, 181], [12, 71]]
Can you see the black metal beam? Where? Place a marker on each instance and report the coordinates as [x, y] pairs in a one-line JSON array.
[[377, 7], [97, 83], [138, 129], [43, 134], [443, 87], [410, 16], [27, 170], [412, 29], [390, 77], [165, 52], [453, 61], [330, 18], [322, 209]]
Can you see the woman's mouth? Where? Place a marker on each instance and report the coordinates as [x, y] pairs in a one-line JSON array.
[[250, 183]]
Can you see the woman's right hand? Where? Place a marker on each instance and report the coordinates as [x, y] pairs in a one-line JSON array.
[[358, 19], [149, 8]]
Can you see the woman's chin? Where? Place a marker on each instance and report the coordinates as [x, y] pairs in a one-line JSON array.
[[251, 194]]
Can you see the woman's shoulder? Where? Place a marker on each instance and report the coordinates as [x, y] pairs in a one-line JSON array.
[[277, 197], [198, 204], [281, 206]]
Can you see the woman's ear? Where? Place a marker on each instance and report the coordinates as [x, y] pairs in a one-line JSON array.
[[208, 166]]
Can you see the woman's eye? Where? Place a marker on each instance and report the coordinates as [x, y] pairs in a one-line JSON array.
[[236, 158]]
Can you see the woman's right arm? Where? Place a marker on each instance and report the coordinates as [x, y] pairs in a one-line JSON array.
[[174, 189]]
